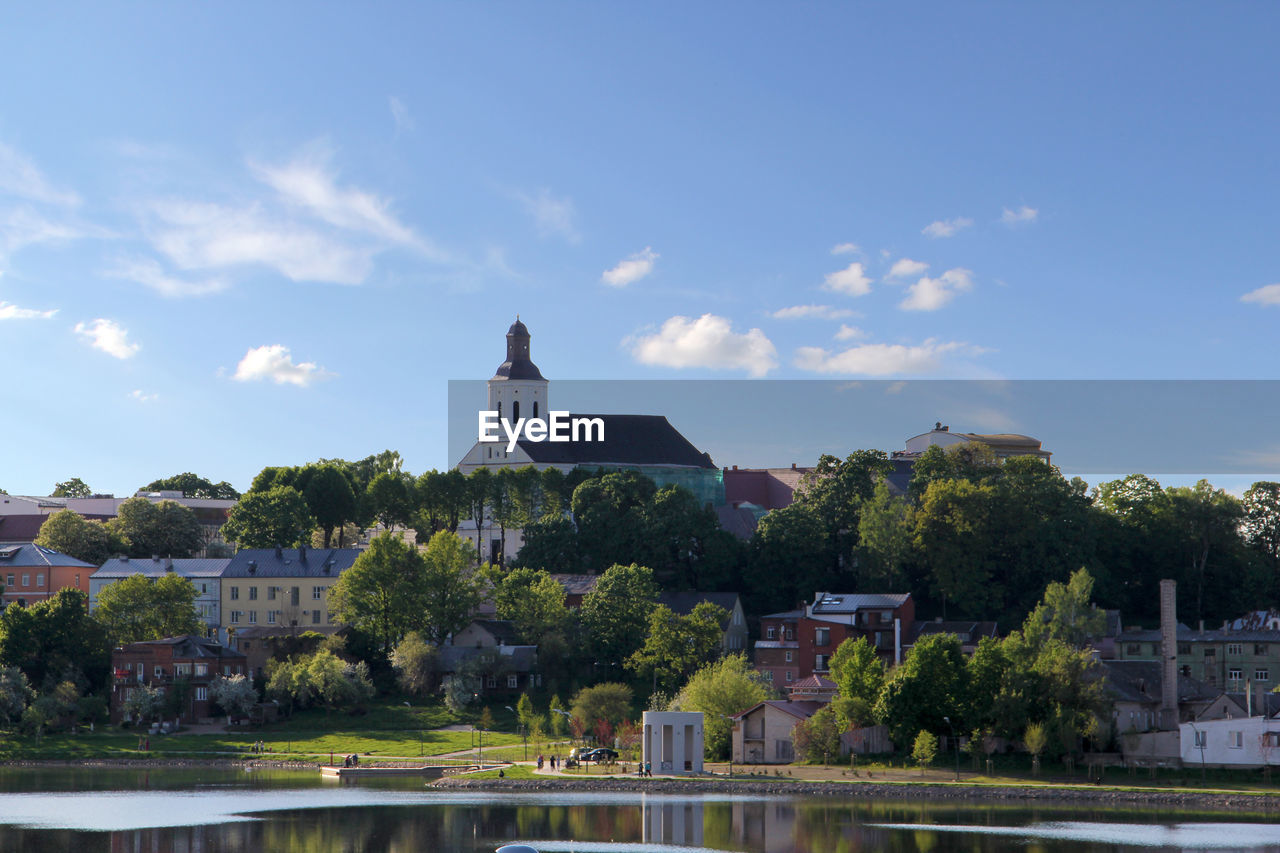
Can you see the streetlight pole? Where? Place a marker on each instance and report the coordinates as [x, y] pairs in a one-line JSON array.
[[955, 745], [1200, 739]]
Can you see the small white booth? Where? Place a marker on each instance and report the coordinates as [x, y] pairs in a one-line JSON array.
[[673, 741]]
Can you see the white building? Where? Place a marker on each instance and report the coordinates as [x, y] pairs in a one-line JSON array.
[[1003, 445], [672, 742], [1240, 742]]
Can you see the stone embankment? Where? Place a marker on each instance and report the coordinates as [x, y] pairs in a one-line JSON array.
[[1042, 794]]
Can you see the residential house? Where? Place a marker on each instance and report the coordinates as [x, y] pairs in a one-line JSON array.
[[259, 644], [1231, 742], [1225, 658], [188, 664], [969, 633], [576, 587], [762, 733], [287, 587], [815, 688], [30, 573], [734, 638], [205, 575], [798, 643], [486, 651]]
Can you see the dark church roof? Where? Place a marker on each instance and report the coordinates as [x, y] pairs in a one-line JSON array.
[[518, 364], [628, 440]]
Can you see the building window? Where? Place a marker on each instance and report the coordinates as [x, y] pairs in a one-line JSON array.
[[26, 580], [271, 593], [791, 634], [40, 580], [1131, 649], [1262, 675], [202, 693], [1201, 741], [512, 682], [77, 580], [821, 636], [768, 632], [1259, 648], [204, 589], [235, 593], [271, 616], [253, 593], [180, 669], [791, 676], [768, 676], [491, 681], [1210, 653], [1184, 648], [820, 663], [158, 672], [235, 616], [1234, 675], [1186, 670], [1235, 649], [202, 669], [9, 580], [788, 657], [315, 617], [1235, 740], [253, 617], [317, 592]]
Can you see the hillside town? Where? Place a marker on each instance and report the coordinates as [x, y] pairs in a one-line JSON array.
[[957, 594]]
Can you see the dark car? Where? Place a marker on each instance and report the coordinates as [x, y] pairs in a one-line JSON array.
[[598, 755]]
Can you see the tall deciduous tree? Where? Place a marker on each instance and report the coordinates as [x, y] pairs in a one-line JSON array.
[[928, 686], [609, 701], [616, 612], [1067, 613], [136, 608], [719, 690], [1262, 521], [884, 533], [330, 498], [677, 645], [165, 528], [533, 601], [193, 486], [73, 488], [387, 499], [452, 590], [72, 534], [55, 638], [384, 591], [278, 516]]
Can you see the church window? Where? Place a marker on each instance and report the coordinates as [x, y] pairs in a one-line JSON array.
[[515, 411], [535, 408]]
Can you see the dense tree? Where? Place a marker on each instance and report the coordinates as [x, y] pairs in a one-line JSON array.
[[835, 490], [72, 534], [928, 686], [677, 645], [884, 535], [166, 528], [234, 694], [55, 639], [686, 547], [609, 701], [616, 613], [970, 460], [551, 544], [387, 499], [330, 499], [322, 679], [1205, 522], [452, 591], [953, 538], [1261, 508], [817, 739], [1067, 613], [137, 608], [278, 516], [414, 662], [719, 690], [383, 593], [787, 561], [858, 672], [534, 602], [15, 695], [193, 486], [73, 488], [610, 513], [479, 489]]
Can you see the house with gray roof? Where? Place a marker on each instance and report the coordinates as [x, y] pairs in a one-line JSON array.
[[286, 587], [205, 575], [31, 573]]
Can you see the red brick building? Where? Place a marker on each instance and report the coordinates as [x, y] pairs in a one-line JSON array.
[[796, 644], [191, 661], [30, 573]]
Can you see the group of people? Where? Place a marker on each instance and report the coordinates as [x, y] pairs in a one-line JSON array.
[[352, 760], [554, 761], [644, 768], [259, 747]]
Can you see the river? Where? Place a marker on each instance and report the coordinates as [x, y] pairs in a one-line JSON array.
[[227, 810]]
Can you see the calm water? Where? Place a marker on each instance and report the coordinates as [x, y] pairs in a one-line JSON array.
[[204, 811]]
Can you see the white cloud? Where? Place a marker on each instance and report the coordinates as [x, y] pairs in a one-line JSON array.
[[273, 362], [9, 311], [846, 249], [108, 336], [906, 268], [849, 333], [308, 182], [879, 359], [930, 294], [818, 312], [137, 394], [553, 216], [195, 235], [631, 270], [708, 341], [20, 177], [946, 227], [400, 114], [22, 226], [851, 280], [895, 387], [149, 272], [1268, 295], [1022, 216]]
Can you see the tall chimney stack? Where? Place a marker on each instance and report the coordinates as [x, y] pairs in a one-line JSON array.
[[1169, 655]]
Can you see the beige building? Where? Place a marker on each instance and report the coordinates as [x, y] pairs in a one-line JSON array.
[[762, 734], [281, 587]]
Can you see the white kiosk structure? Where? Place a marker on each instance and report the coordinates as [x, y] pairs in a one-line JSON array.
[[673, 741]]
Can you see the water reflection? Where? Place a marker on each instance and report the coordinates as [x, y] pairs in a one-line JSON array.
[[287, 812]]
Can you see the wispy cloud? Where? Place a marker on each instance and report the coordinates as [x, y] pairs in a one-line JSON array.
[[400, 114], [1268, 295], [881, 359], [274, 363], [846, 249], [108, 336], [141, 397], [946, 227], [9, 311], [906, 268], [20, 177], [1022, 216], [630, 269], [553, 216], [709, 341], [816, 312], [930, 294], [148, 271], [23, 226], [849, 333], [852, 280]]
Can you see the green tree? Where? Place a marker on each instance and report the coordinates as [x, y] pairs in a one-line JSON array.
[[387, 499], [610, 512], [953, 537], [687, 548], [616, 613], [677, 645], [165, 528], [609, 701], [15, 695], [136, 608], [551, 544], [884, 535], [1067, 613], [234, 694], [534, 602], [72, 534], [1207, 524], [54, 640], [925, 749], [415, 663], [451, 590], [719, 690], [143, 703], [1261, 506], [858, 672], [479, 488], [193, 486], [817, 739], [1035, 739], [835, 489], [384, 592], [73, 488], [504, 509], [278, 516], [928, 686], [787, 559], [554, 717], [330, 499]]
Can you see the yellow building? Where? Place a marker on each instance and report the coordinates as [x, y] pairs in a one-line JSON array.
[[285, 587]]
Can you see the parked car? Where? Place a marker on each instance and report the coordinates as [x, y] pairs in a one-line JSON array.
[[599, 755]]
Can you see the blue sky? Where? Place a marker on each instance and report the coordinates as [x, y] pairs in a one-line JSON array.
[[236, 235]]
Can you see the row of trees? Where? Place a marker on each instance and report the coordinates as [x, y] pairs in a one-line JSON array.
[[140, 529]]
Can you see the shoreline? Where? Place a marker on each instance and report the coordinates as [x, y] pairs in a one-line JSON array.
[[934, 792]]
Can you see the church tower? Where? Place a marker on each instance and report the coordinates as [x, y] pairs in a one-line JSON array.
[[518, 389]]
